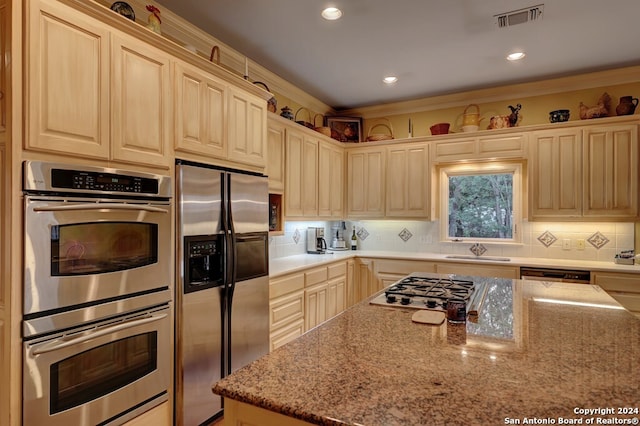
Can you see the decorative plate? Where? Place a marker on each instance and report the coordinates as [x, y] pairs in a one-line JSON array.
[[124, 9]]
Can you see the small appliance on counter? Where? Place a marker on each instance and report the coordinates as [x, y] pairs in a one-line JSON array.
[[337, 232], [316, 244]]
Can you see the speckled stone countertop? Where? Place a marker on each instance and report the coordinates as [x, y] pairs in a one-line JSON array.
[[289, 264], [527, 356]]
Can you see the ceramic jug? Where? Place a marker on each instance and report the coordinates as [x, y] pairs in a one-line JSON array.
[[471, 118], [627, 105]]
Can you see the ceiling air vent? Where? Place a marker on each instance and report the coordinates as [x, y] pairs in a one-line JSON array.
[[519, 16]]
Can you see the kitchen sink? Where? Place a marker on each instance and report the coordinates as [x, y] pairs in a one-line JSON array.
[[473, 257]]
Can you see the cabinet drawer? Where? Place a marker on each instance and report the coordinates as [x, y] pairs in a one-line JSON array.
[[511, 146], [337, 270], [618, 282], [285, 309], [451, 150], [403, 267], [286, 334], [315, 276], [287, 284]]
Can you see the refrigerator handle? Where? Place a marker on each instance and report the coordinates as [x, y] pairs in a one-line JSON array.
[[234, 242]]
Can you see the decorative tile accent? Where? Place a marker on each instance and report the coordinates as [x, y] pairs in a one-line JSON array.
[[478, 249], [598, 240], [296, 236], [405, 235], [362, 233], [547, 238]]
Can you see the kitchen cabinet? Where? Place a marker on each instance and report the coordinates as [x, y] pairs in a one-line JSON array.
[[625, 288], [4, 38], [364, 283], [93, 92], [200, 112], [276, 139], [286, 309], [555, 174], [388, 271], [511, 145], [325, 293], [366, 180], [301, 175], [336, 289], [408, 188], [330, 180], [497, 271], [610, 164], [247, 121], [588, 173]]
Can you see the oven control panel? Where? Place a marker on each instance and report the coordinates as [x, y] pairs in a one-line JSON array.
[[101, 181]]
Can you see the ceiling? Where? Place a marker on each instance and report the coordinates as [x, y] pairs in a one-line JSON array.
[[434, 47]]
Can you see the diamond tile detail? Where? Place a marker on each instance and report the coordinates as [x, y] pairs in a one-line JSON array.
[[405, 235], [547, 238], [296, 236], [362, 233], [598, 240], [478, 249]]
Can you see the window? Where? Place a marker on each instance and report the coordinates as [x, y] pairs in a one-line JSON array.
[[481, 202]]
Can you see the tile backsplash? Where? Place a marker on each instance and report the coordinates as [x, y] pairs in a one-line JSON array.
[[600, 240]]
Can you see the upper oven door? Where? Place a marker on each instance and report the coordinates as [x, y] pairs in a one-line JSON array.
[[88, 251]]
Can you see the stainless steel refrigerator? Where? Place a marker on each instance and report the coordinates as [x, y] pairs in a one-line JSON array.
[[222, 297]]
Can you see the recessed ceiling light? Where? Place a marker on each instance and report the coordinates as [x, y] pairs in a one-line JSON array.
[[390, 79], [331, 13], [515, 56]]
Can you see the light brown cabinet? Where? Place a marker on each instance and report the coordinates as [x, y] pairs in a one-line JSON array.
[[330, 180], [301, 175], [286, 309], [584, 173], [325, 293], [93, 92], [200, 112], [247, 131], [479, 147], [408, 183], [366, 182], [275, 170]]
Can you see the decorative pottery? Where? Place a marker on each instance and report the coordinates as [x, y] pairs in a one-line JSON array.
[[499, 122], [627, 105], [272, 103], [440, 129], [154, 20], [286, 113], [600, 110], [559, 116], [124, 9], [513, 117], [470, 118]]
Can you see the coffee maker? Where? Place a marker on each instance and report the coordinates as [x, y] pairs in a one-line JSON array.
[[316, 244]]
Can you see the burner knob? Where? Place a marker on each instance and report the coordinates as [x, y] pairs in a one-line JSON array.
[[431, 303], [405, 300], [391, 298]]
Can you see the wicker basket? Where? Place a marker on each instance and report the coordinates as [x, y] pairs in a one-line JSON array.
[[302, 122], [321, 129], [380, 136]]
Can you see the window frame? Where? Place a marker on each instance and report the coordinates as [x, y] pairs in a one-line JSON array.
[[515, 168]]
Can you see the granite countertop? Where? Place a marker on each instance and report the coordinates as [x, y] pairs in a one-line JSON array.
[[524, 357], [285, 265]]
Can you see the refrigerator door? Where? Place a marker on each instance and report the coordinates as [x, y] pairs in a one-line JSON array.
[[249, 198], [200, 311]]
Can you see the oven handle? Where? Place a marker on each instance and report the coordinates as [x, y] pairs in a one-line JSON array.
[[62, 343], [101, 206]]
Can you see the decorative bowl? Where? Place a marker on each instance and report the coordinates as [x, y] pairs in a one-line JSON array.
[[559, 116]]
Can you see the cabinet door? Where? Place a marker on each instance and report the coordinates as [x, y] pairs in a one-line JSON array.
[[68, 82], [4, 37], [276, 135], [247, 128], [315, 305], [336, 291], [141, 104], [293, 174], [366, 182], [555, 181], [610, 172], [408, 187], [200, 112], [331, 180], [310, 177]]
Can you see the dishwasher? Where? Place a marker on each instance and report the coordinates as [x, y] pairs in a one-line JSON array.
[[558, 275]]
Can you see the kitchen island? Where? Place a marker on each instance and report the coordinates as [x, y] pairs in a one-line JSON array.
[[550, 352]]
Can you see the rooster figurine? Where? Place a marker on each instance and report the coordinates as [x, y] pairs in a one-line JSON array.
[[154, 20], [600, 110]]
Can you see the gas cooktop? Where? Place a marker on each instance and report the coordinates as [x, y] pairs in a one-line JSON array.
[[425, 291]]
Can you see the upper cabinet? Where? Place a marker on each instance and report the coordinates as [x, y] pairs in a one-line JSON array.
[[587, 173], [247, 135], [456, 148], [276, 137], [331, 180], [366, 182], [68, 82], [408, 189]]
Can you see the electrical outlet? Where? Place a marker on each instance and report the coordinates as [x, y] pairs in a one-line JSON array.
[[566, 244], [580, 244]]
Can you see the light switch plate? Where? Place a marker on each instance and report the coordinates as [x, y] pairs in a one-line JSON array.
[[566, 244], [580, 244]]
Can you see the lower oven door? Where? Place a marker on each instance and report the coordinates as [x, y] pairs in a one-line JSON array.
[[104, 374]]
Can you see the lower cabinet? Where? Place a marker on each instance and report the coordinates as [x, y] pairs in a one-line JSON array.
[[625, 288], [497, 271], [286, 309]]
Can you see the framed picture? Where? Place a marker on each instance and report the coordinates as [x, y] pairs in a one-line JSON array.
[[345, 129]]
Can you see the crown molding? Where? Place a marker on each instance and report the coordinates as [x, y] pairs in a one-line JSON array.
[[182, 32], [502, 93]]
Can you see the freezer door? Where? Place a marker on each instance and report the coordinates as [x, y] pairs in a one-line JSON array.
[[249, 321], [200, 325], [199, 200], [249, 198]]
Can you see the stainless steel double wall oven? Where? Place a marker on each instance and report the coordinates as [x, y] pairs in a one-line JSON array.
[[97, 280]]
